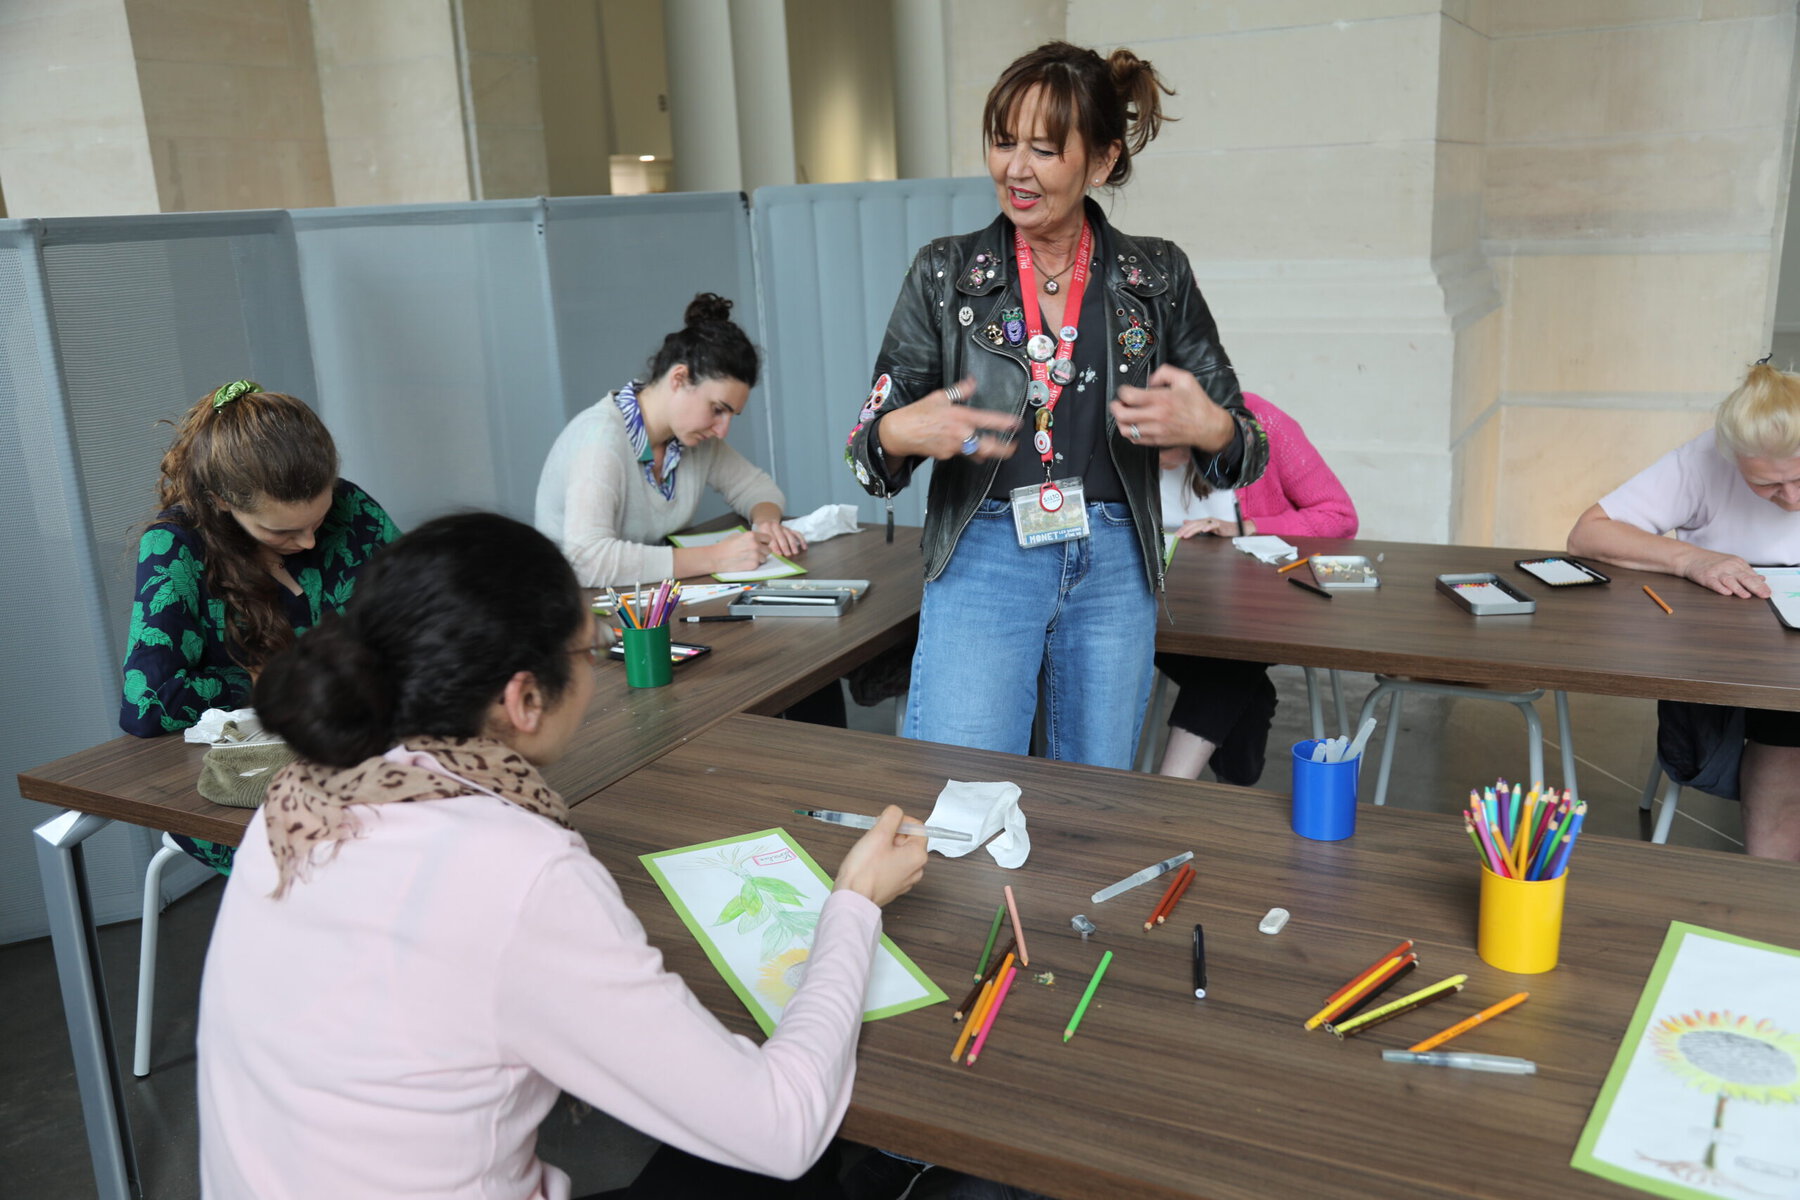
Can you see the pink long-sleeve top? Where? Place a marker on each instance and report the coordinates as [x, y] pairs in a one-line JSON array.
[[1298, 495], [400, 1024]]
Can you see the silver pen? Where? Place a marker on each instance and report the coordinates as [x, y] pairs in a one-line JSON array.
[[1469, 1062], [1143, 876], [832, 816]]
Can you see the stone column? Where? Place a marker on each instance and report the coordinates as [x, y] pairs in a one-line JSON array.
[[702, 96], [765, 107], [921, 89]]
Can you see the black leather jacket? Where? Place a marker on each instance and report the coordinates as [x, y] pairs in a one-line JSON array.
[[928, 346]]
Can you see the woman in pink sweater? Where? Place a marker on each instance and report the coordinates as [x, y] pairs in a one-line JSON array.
[[416, 953], [1225, 707]]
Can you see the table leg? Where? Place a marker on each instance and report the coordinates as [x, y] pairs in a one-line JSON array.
[[72, 933]]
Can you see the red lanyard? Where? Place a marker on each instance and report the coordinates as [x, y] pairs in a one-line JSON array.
[[1042, 376]]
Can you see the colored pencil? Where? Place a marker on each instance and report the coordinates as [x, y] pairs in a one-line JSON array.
[[987, 1026], [1298, 562], [1462, 1027], [1012, 906], [1398, 1008], [1659, 600], [1396, 952], [1369, 997], [963, 1009], [968, 1029], [1170, 893], [1092, 987], [985, 1002], [1559, 862], [993, 932], [1336, 1008], [1180, 891]]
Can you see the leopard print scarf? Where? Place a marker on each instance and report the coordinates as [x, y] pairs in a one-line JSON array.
[[308, 811]]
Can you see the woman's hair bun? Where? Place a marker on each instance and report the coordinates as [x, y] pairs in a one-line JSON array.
[[707, 306], [328, 696]]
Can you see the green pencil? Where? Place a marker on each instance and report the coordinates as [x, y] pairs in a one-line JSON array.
[[988, 950], [1093, 984]]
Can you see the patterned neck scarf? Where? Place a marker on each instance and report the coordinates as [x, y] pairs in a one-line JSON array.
[[308, 807], [626, 399]]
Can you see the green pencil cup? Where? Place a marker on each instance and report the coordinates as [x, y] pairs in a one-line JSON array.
[[647, 661]]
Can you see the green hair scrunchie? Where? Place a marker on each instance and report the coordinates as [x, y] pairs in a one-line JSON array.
[[231, 391]]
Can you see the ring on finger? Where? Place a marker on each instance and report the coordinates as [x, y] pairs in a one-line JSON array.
[[954, 395], [1135, 434], [971, 443]]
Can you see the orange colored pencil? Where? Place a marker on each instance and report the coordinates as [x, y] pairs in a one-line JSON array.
[[1659, 600], [1462, 1027], [1298, 562], [986, 1002], [975, 1014], [1180, 891], [1001, 987], [1168, 896], [1369, 970], [1385, 972]]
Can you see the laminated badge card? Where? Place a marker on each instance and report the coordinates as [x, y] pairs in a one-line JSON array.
[[1704, 1097], [752, 902]]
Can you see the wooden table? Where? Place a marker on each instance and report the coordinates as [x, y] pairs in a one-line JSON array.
[[1159, 1095], [1606, 640], [759, 666]]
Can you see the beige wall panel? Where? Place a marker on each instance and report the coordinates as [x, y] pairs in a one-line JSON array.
[[196, 174], [394, 98], [982, 40], [72, 136], [1325, 202], [1098, 22], [637, 72], [572, 84], [1400, 495], [399, 169], [1715, 10], [498, 27], [512, 162], [504, 89], [1476, 372], [1565, 459], [1633, 322], [356, 31], [1554, 16], [842, 83], [1475, 464], [213, 31], [1457, 219], [1361, 390], [1302, 87], [1462, 83], [1725, 183], [1659, 79], [227, 100]]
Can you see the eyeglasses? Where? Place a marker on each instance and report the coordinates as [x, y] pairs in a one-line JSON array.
[[596, 653]]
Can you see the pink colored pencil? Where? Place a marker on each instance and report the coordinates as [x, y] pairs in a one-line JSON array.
[[1012, 906], [993, 1011], [1487, 842]]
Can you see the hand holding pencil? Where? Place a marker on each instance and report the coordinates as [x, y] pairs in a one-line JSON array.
[[885, 863]]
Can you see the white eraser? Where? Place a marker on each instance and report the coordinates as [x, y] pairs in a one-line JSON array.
[[1273, 920]]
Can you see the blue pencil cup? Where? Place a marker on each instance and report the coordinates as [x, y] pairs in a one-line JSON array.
[[1324, 795]]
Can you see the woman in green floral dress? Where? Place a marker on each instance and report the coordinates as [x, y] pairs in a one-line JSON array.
[[256, 540]]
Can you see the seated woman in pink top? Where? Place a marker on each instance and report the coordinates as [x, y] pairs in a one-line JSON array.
[[1225, 707], [415, 953]]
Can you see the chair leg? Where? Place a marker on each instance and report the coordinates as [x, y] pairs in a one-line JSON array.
[[1337, 699], [1651, 784], [1313, 705], [146, 998], [1534, 744], [1568, 745], [1387, 746], [1670, 798]]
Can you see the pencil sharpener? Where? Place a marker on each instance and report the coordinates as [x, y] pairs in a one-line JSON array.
[[1082, 925]]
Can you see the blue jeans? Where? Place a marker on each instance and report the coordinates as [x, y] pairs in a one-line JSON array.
[[1078, 615]]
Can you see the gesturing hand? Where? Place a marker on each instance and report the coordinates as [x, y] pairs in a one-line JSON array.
[[1173, 411], [934, 427]]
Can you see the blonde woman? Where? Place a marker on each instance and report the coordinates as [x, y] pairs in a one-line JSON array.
[[1731, 497]]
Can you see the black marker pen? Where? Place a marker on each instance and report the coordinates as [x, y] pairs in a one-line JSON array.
[[1199, 963]]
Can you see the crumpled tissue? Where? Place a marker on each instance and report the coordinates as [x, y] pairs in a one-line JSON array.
[[223, 726], [825, 522], [982, 810]]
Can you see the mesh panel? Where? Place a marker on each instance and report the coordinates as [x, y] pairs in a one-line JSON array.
[[433, 344], [829, 260]]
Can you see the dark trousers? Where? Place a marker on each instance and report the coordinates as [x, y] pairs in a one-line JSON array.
[[1229, 703]]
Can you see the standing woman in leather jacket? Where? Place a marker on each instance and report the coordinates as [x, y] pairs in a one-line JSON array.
[[1042, 362]]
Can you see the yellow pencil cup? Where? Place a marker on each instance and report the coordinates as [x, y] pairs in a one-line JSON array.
[[1521, 922]]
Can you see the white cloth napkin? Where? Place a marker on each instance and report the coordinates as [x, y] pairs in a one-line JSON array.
[[1266, 547], [825, 522], [210, 729], [982, 810]]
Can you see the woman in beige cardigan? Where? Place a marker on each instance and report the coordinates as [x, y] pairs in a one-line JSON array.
[[630, 470]]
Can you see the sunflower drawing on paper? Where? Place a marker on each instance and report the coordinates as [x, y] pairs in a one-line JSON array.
[[764, 902], [780, 976], [1733, 1058]]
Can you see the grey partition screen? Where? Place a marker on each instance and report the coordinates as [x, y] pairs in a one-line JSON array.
[[829, 261], [434, 345], [622, 270]]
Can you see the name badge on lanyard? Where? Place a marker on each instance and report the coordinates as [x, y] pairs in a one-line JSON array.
[[1056, 509]]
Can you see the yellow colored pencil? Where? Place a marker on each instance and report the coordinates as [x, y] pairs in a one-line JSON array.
[[1375, 1015], [973, 1021], [1462, 1027]]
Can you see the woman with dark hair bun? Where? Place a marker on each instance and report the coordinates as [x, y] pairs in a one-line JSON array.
[[1094, 349], [628, 472], [416, 954], [256, 540]]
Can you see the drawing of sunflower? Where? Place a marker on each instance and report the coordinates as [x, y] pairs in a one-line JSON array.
[[781, 975], [1731, 1057]]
